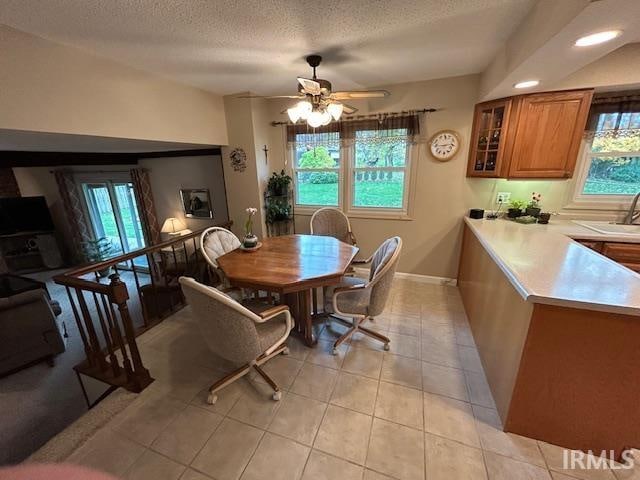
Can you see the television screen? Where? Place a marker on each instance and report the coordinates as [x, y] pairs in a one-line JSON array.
[[24, 214]]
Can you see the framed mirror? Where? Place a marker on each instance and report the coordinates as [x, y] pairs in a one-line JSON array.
[[196, 202]]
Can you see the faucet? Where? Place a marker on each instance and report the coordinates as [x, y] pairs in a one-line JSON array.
[[632, 215]]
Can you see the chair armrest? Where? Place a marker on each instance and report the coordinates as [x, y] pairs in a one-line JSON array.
[[273, 311], [360, 262]]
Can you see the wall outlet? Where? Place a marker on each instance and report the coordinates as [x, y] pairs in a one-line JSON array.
[[503, 197]]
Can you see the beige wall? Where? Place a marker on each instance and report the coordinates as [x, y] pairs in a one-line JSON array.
[[168, 175], [443, 193], [49, 87]]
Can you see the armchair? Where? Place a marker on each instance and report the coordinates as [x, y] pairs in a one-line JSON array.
[[241, 336], [362, 299]]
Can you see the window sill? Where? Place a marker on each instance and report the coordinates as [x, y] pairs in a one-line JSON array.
[[374, 215]]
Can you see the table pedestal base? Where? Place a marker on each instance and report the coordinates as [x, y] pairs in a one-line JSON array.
[[300, 305]]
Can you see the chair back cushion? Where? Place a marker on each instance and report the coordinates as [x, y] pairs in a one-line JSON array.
[[383, 268], [216, 241], [227, 327], [332, 223]]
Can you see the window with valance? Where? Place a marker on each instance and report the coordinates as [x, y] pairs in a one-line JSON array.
[[356, 165]]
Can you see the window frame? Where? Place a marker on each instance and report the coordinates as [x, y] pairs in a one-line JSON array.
[[346, 185]]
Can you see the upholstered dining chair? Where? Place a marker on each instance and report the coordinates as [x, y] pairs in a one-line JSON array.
[[245, 337], [215, 242], [332, 222], [361, 299]]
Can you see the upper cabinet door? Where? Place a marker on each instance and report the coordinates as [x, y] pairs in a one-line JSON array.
[[548, 132], [488, 138]]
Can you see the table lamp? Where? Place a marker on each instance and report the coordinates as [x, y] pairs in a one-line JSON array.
[[173, 226]]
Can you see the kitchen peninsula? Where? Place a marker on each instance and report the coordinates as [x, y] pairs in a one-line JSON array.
[[557, 326]]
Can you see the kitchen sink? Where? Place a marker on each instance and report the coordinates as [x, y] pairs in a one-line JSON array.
[[610, 228]]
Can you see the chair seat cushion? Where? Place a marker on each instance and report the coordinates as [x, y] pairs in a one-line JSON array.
[[356, 302], [271, 331]]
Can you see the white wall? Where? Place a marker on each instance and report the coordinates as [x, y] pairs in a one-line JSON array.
[[48, 87]]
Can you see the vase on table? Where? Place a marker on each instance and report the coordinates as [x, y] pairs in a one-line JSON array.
[[250, 241]]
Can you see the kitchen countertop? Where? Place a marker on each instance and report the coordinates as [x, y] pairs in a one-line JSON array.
[[546, 266]]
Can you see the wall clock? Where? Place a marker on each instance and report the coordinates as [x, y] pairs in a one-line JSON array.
[[444, 145]]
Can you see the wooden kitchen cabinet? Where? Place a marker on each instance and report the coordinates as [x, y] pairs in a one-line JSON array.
[[539, 136]]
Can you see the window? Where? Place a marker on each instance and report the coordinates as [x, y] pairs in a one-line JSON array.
[[360, 168], [613, 156]]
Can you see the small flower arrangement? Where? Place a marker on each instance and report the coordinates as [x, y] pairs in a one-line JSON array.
[[536, 198], [250, 240]]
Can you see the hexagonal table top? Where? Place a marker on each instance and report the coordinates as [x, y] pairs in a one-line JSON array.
[[289, 263]]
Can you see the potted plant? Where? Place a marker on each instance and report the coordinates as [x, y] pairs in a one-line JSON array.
[[544, 217], [533, 207], [277, 212], [249, 240], [278, 183], [515, 208], [97, 251]]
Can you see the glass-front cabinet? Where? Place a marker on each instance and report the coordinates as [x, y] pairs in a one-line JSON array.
[[488, 138]]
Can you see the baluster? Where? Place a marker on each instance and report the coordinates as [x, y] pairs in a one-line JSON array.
[[117, 335], [119, 296], [155, 289], [93, 337], [115, 367], [145, 317], [88, 352]]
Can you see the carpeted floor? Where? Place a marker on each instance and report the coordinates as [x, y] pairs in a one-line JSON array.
[[40, 401]]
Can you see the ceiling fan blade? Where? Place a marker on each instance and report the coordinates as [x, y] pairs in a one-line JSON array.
[[357, 94], [268, 96], [310, 86], [348, 109]]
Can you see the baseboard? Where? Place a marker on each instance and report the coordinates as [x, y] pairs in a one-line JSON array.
[[415, 277]]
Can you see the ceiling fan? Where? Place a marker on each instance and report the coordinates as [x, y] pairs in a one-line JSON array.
[[318, 104]]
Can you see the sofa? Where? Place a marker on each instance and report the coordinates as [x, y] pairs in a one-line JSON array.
[[28, 330]]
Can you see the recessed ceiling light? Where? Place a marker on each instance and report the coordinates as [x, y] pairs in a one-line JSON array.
[[526, 84], [596, 38]]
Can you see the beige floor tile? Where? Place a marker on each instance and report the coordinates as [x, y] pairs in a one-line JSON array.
[[449, 460], [441, 352], [152, 466], [143, 421], [332, 331], [108, 451], [470, 359], [315, 381], [504, 468], [396, 450], [464, 336], [186, 434], [450, 418], [410, 325], [554, 456], [360, 340], [228, 451], [322, 354], [276, 458], [355, 392], [403, 345], [227, 397], [321, 466], [479, 391], [495, 440], [344, 433], [298, 418], [438, 333], [190, 474], [402, 370], [283, 369], [256, 405], [363, 362], [373, 475], [400, 404], [446, 381], [297, 349]]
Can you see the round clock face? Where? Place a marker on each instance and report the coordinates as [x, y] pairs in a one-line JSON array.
[[444, 145]]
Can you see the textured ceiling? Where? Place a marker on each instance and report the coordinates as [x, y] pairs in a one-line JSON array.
[[229, 46]]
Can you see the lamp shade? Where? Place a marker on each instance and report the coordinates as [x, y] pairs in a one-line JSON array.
[[173, 225]]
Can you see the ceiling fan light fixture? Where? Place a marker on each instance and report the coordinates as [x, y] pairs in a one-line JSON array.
[[326, 117], [304, 109], [335, 109], [316, 119], [294, 114]]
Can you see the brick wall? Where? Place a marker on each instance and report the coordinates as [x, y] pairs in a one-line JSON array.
[[8, 185]]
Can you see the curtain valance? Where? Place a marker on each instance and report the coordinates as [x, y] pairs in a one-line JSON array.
[[614, 115], [380, 129]]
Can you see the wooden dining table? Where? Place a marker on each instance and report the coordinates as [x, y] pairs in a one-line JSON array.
[[292, 266]]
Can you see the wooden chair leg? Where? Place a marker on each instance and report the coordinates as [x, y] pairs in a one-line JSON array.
[[224, 381], [376, 335], [277, 394]]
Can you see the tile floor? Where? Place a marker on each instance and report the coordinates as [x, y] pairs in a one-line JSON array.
[[422, 410]]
